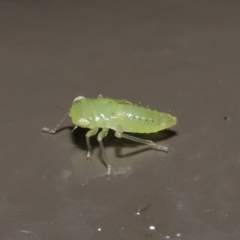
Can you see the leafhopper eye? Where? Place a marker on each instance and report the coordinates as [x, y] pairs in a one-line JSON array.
[[83, 122]]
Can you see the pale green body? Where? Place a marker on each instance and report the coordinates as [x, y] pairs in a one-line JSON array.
[[119, 115]]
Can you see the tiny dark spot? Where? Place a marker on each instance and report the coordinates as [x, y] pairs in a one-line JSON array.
[[227, 118]]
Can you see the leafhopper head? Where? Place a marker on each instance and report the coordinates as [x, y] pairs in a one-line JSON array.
[[77, 114]]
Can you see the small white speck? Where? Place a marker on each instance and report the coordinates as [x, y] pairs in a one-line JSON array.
[[99, 229], [179, 234], [141, 208], [152, 227], [167, 237], [24, 231], [209, 210]]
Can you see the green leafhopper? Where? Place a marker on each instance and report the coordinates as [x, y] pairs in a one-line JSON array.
[[120, 116]]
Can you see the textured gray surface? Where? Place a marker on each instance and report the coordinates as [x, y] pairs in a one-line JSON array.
[[176, 56]]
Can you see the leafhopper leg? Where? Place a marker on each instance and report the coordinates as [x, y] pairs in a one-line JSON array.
[[143, 141], [89, 134], [100, 136], [54, 130]]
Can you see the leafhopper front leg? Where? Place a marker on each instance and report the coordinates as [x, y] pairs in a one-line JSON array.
[[100, 136], [89, 134], [54, 130], [143, 141]]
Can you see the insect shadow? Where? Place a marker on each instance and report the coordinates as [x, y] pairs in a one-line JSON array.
[[79, 139], [155, 137]]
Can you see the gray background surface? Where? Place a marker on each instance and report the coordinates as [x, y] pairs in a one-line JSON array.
[[180, 57]]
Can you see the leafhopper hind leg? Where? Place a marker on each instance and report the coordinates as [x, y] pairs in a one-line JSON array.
[[100, 136], [140, 140], [54, 130]]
